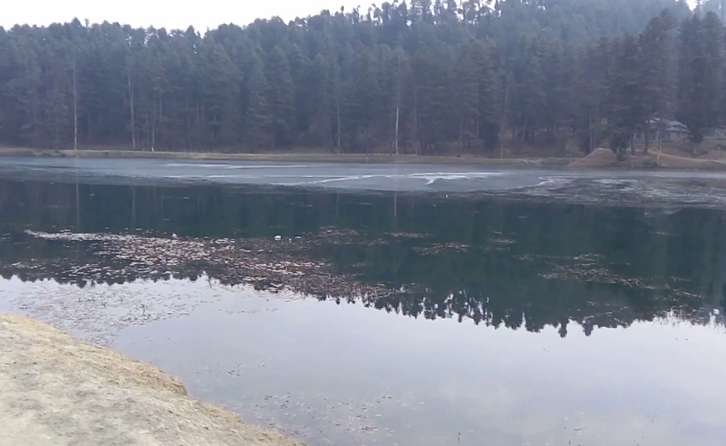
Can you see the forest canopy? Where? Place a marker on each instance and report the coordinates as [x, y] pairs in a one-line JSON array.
[[417, 76]]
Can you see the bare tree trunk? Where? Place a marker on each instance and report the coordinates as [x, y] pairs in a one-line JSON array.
[[338, 125], [187, 136], [461, 136], [159, 119], [75, 106], [398, 85], [504, 120], [153, 131], [646, 139], [398, 120], [132, 111], [197, 124], [415, 121], [478, 129], [591, 134], [660, 144]]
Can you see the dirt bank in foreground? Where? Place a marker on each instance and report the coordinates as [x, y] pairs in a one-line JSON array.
[[56, 391]]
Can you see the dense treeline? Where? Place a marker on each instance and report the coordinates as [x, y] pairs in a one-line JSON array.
[[419, 76]]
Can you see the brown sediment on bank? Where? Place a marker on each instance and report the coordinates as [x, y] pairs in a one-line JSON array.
[[293, 156], [58, 391], [607, 159]]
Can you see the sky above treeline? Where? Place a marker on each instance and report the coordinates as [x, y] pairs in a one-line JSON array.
[[171, 14]]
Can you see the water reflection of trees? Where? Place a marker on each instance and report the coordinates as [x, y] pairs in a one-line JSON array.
[[657, 264]]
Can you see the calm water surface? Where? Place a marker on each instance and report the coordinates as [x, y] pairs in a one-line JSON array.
[[511, 320]]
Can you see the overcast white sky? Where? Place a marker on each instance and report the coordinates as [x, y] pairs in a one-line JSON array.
[[202, 14]]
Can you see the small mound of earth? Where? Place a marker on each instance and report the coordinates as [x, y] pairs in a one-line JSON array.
[[597, 158], [603, 158], [58, 391]]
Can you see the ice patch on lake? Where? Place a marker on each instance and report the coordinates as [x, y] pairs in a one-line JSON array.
[[68, 236], [553, 182], [328, 179], [429, 177], [238, 166], [615, 181], [433, 177]]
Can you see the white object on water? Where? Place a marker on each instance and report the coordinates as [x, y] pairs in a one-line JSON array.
[[278, 238]]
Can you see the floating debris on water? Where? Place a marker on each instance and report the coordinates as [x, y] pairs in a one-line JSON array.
[[118, 258]]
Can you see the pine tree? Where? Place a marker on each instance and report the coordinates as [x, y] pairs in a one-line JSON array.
[[712, 43], [627, 113], [656, 73], [222, 96], [699, 83], [258, 125], [280, 98], [476, 108]]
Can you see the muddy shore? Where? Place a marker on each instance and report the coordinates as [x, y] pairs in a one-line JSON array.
[[59, 391]]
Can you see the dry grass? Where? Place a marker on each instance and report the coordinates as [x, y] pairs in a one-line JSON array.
[[57, 391]]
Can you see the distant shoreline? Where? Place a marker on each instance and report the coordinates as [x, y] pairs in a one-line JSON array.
[[291, 157], [634, 162]]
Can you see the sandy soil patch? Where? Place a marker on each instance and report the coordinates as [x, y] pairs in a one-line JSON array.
[[58, 391], [596, 159]]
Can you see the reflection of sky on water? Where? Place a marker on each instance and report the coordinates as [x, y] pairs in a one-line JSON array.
[[640, 290], [344, 374]]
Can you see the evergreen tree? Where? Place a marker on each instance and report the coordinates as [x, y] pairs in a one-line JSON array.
[[222, 96], [712, 43], [258, 117], [657, 70], [627, 112], [699, 83], [280, 98]]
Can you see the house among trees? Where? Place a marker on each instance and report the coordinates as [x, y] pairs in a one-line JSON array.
[[668, 131]]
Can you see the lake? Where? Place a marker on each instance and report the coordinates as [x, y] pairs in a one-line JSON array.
[[391, 304]]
